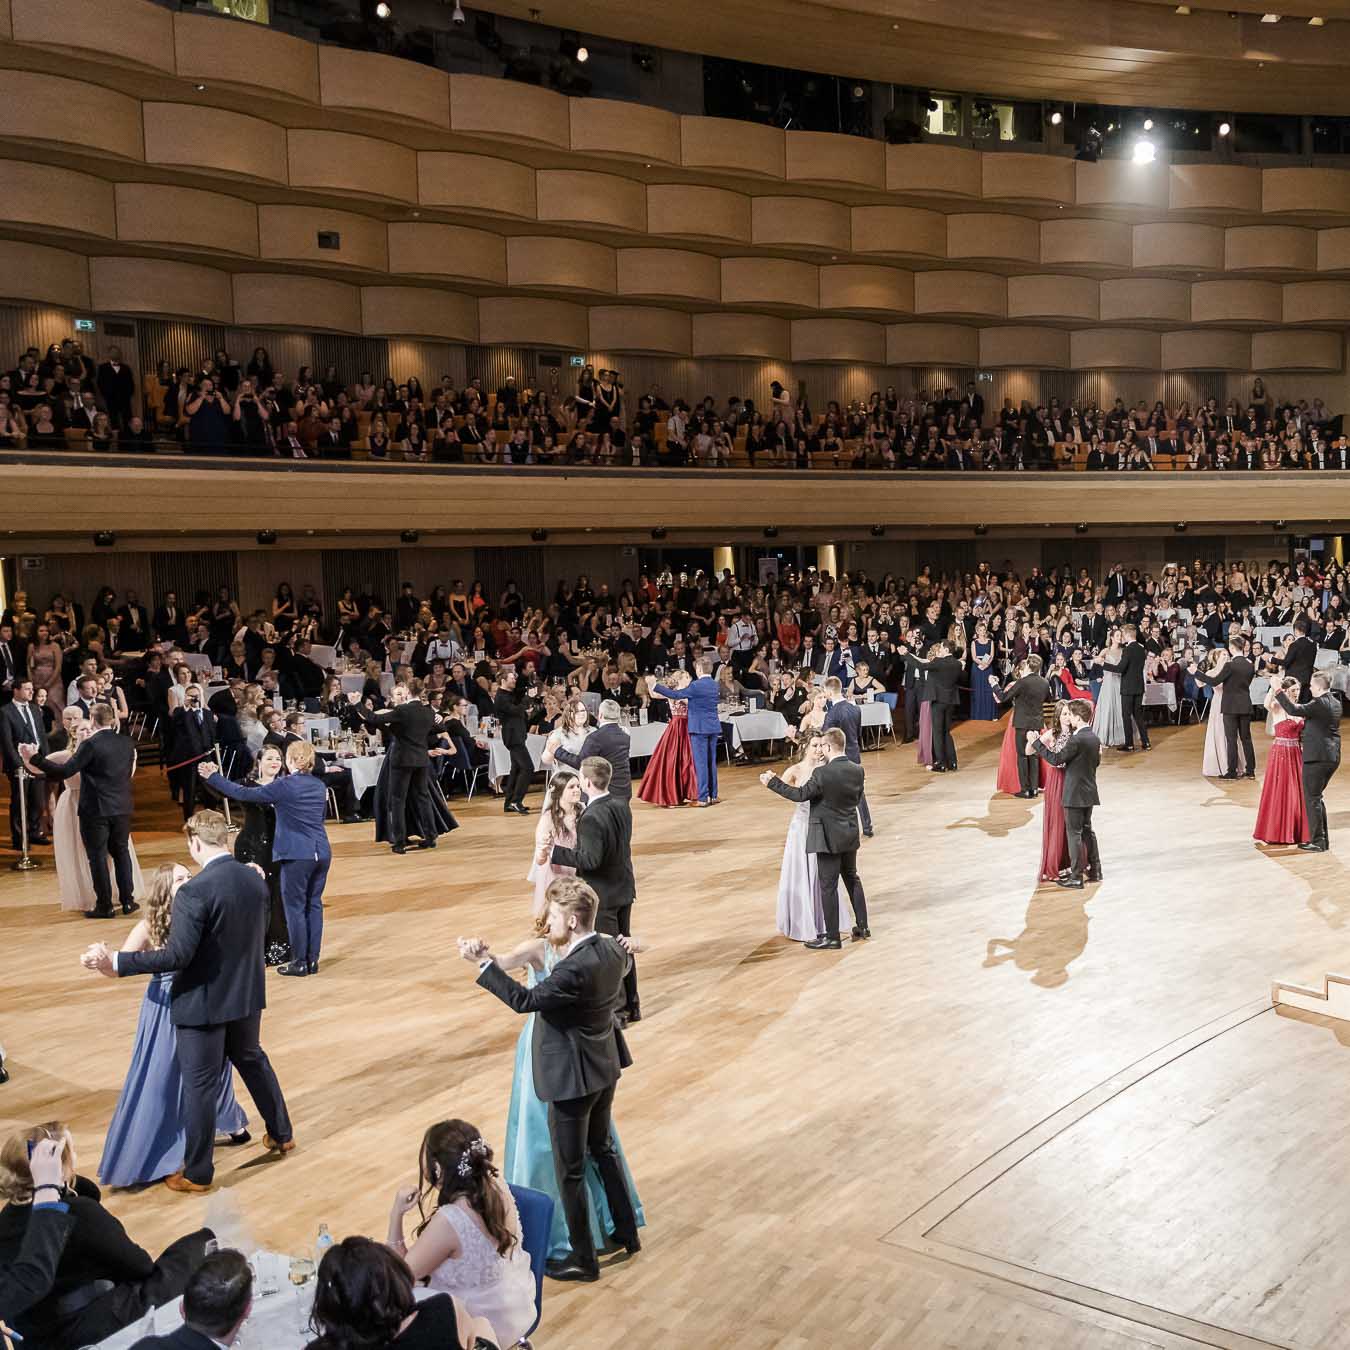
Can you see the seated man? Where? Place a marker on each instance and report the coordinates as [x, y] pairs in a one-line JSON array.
[[216, 1303]]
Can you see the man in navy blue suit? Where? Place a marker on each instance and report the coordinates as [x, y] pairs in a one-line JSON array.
[[705, 727], [300, 846], [839, 712]]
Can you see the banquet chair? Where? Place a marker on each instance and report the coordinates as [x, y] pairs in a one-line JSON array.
[[536, 1223]]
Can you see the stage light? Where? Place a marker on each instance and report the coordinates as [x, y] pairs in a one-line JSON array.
[[878, 531], [583, 54], [1081, 527], [659, 532], [1270, 18], [104, 539], [267, 536], [1090, 146], [409, 536], [457, 15], [771, 532], [538, 536], [1316, 21], [1148, 124], [1225, 128], [1056, 118], [1182, 9], [1144, 151], [1280, 524], [1180, 527], [982, 529], [382, 10]]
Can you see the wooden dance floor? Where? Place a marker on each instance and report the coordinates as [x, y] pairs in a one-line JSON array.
[[1018, 1117]]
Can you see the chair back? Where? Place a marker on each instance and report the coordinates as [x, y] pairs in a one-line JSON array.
[[536, 1224]]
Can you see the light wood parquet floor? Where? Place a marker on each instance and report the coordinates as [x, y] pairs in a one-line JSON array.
[[1018, 1117]]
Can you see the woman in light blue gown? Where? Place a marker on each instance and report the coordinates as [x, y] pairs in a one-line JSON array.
[[529, 1151], [147, 1133]]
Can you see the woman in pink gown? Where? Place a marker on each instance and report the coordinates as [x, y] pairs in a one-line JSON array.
[[1282, 816], [557, 825], [1054, 838], [670, 778]]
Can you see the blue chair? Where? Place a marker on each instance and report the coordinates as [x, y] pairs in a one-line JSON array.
[[536, 1225]]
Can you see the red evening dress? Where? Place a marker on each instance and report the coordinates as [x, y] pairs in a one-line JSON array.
[[1054, 839], [1013, 743], [671, 779], [1282, 816]]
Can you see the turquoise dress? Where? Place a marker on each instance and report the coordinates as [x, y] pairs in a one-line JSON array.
[[529, 1152]]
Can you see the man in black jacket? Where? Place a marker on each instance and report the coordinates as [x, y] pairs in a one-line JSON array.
[[578, 1055], [1321, 716], [834, 791], [509, 709], [609, 741], [603, 858], [216, 1302], [410, 723], [105, 763], [21, 724], [1131, 671], [1235, 678], [215, 949], [1027, 694], [1079, 758], [1301, 658], [944, 681], [116, 387], [192, 738]]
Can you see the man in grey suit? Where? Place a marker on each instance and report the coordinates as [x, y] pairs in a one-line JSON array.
[[834, 791]]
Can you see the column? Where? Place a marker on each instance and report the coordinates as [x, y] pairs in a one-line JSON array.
[[827, 559], [724, 559]]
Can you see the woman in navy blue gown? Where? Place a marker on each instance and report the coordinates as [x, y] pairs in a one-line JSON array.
[[982, 705]]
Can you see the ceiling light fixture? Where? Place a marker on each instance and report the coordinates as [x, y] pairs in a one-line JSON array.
[[1145, 152], [1148, 124], [1056, 118], [1270, 18], [1316, 21], [583, 54], [382, 10], [1183, 9], [1225, 128]]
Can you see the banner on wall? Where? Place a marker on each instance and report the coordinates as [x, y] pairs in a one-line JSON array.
[[768, 571]]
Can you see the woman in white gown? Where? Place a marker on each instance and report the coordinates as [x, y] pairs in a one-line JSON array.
[[73, 876], [1107, 720], [799, 913], [1215, 762], [470, 1243]]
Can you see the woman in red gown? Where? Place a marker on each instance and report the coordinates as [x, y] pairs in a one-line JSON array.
[[1007, 780], [670, 779], [1054, 838], [1282, 816]]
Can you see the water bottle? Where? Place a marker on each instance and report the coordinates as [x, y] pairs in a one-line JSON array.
[[322, 1243]]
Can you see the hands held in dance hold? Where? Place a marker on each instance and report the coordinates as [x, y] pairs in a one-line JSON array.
[[632, 945], [546, 759], [206, 768], [1043, 735], [99, 958], [474, 949], [767, 777]]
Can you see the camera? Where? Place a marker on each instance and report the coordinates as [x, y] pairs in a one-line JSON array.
[[457, 18]]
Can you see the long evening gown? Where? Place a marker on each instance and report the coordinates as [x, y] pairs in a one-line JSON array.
[[1215, 761], [528, 1160], [1014, 743], [253, 844], [147, 1133], [434, 808], [73, 875], [799, 913], [925, 746], [670, 778], [1054, 837], [1282, 816], [983, 707], [1107, 719]]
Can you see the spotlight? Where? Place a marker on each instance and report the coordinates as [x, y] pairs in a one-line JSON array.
[[200, 88], [409, 536], [1145, 152], [382, 10], [771, 532], [1056, 118], [1225, 128], [1182, 9], [1270, 18], [457, 15], [1180, 527], [267, 536], [659, 532], [878, 531], [104, 539], [538, 536], [1148, 124], [982, 529], [1280, 524], [644, 59], [1081, 527], [1316, 21], [1090, 145], [583, 54]]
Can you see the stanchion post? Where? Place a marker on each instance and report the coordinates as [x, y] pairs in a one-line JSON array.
[[25, 863]]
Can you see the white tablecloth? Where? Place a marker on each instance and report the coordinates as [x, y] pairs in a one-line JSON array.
[[1340, 679], [1326, 657], [876, 714], [1161, 695], [320, 725], [1272, 637], [322, 656], [197, 661], [642, 741], [365, 770], [757, 726], [352, 684]]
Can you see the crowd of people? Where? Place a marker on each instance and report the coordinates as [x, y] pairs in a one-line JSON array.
[[227, 406]]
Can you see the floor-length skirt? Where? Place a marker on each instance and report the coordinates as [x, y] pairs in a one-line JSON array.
[[74, 877], [983, 706], [529, 1153], [1107, 719], [925, 746], [670, 778], [1014, 744], [147, 1134], [437, 810], [1215, 762], [799, 913], [1054, 837], [1282, 816]]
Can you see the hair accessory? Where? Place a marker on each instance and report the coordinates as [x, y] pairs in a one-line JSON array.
[[477, 1149]]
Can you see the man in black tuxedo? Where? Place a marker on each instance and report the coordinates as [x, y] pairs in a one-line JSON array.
[[609, 741], [106, 763], [1321, 716], [215, 950], [1131, 672], [193, 738], [603, 858], [216, 1302], [848, 718], [509, 709], [944, 686], [1079, 758], [1027, 694], [13, 661], [116, 387], [1235, 677], [21, 724], [169, 623], [834, 791], [578, 1055], [135, 624], [411, 725], [1301, 658]]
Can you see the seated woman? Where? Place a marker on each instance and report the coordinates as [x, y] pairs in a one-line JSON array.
[[364, 1297], [865, 685], [469, 1245], [104, 1281]]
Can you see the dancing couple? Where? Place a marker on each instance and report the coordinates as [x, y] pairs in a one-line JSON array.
[[1079, 757], [833, 791], [1228, 737]]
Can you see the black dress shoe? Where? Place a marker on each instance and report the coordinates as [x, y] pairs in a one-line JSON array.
[[131, 908], [236, 1140], [4, 1072], [633, 1012], [861, 934], [1312, 846], [1231, 777], [824, 943], [570, 1269], [39, 839], [427, 843], [313, 968], [398, 848], [867, 834], [617, 1244], [1096, 876], [293, 968], [1070, 883], [1249, 775], [100, 913]]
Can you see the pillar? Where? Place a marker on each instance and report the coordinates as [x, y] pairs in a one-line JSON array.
[[827, 559], [1335, 547], [724, 559]]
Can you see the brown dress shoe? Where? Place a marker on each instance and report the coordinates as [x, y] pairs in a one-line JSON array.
[[178, 1182], [283, 1149]]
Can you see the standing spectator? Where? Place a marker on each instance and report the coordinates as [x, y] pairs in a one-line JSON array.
[[208, 413], [117, 388]]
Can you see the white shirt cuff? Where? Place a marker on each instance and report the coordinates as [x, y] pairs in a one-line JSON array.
[[115, 955], [484, 964]]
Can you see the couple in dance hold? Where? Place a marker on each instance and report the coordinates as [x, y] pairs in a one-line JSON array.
[[1304, 755], [822, 843], [1073, 750]]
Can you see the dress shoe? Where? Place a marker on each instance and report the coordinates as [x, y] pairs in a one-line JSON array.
[[178, 1182], [867, 834], [236, 1140], [293, 968], [633, 1012], [1249, 775], [131, 908], [41, 840], [427, 843], [1312, 846], [824, 943], [1127, 749], [1095, 876], [312, 968], [861, 934], [570, 1269], [1070, 883], [4, 1072], [100, 913], [283, 1148], [398, 848], [1231, 777], [615, 1244], [350, 820]]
